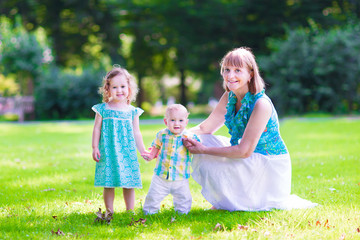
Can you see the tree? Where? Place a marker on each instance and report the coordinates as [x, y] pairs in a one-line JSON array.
[[21, 54], [320, 74], [81, 31]]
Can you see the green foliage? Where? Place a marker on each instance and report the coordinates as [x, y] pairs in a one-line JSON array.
[[67, 95], [315, 71], [157, 38], [21, 54], [8, 86], [82, 31], [47, 184], [20, 51]]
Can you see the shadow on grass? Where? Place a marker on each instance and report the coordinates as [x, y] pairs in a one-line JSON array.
[[129, 225], [197, 223]]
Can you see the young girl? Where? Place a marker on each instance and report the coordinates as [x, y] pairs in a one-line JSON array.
[[116, 136]]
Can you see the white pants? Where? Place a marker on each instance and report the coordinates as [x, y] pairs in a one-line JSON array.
[[160, 188]]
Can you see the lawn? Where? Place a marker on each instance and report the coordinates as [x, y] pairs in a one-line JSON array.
[[47, 188]]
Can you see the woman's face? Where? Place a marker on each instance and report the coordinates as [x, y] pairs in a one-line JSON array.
[[236, 78]]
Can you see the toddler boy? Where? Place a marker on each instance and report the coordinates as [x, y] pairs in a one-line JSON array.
[[172, 169]]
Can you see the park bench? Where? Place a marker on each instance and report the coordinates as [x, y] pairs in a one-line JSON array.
[[17, 105]]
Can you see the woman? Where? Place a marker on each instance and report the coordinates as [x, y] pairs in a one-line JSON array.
[[254, 172]]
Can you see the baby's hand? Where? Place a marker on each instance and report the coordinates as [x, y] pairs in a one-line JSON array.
[[146, 156]]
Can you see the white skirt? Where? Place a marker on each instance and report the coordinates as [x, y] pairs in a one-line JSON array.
[[256, 183]]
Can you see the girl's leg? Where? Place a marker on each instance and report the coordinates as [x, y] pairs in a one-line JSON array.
[[109, 196], [129, 198]]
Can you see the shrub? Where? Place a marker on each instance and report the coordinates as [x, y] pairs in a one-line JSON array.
[[62, 95], [315, 71]]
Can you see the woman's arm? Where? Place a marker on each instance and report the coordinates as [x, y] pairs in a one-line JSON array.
[[215, 120], [255, 127], [96, 137], [137, 135]]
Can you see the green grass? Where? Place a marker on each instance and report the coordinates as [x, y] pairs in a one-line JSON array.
[[47, 184]]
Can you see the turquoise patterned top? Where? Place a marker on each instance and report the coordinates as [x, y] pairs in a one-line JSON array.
[[118, 165], [270, 142]]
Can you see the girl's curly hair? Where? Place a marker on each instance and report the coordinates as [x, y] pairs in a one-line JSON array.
[[118, 71]]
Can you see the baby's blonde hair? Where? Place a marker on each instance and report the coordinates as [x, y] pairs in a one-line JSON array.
[[243, 57], [118, 71], [173, 107]]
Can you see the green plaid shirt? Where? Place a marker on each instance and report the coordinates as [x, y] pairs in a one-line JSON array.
[[174, 160]]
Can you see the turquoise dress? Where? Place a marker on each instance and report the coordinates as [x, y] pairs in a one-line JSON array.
[[118, 165], [260, 182]]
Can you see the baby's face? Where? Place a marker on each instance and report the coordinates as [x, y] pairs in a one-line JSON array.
[[176, 121]]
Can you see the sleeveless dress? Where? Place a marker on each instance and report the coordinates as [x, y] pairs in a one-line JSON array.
[[118, 165], [260, 182]]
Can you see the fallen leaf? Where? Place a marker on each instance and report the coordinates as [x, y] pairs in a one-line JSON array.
[[58, 232], [326, 223], [88, 201], [100, 214], [141, 221], [54, 217], [241, 227], [218, 227], [358, 229]]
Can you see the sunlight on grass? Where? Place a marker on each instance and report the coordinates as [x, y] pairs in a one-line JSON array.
[[47, 184]]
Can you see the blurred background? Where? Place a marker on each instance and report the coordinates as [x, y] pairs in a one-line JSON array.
[[54, 53]]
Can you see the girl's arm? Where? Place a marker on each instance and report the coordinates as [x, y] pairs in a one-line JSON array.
[[137, 134], [255, 127], [215, 120], [96, 137]]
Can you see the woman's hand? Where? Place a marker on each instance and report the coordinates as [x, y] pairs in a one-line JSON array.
[[193, 146]]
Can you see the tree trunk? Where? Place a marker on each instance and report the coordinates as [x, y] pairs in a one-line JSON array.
[[140, 96], [183, 99]]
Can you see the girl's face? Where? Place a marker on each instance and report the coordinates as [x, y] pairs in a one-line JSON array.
[[236, 78], [119, 89], [176, 121]]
